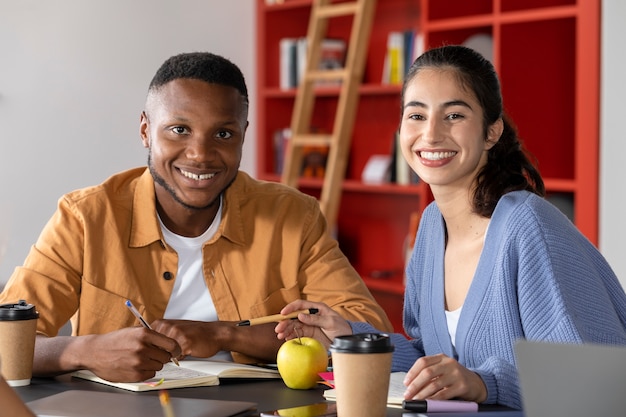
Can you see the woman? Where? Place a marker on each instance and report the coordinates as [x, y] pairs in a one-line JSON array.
[[493, 261]]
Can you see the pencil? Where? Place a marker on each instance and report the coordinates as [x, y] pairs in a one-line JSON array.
[[143, 322], [164, 397], [276, 317]]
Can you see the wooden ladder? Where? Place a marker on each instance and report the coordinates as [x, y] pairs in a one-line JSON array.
[[350, 76]]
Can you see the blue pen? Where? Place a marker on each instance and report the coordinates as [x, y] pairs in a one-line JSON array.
[[143, 322]]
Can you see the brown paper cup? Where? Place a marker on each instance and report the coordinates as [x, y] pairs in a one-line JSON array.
[[361, 378], [17, 348]]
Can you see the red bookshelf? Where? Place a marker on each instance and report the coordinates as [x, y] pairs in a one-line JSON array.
[[547, 55]]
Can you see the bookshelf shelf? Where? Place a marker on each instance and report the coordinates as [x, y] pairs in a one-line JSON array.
[[547, 55]]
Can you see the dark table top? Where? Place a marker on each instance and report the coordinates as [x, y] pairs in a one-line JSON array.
[[268, 394]]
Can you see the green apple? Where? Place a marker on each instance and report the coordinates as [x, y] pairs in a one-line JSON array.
[[299, 362]]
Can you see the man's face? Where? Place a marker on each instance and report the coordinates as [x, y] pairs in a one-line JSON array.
[[194, 132]]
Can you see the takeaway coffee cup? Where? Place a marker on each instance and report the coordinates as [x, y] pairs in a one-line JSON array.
[[361, 371], [18, 326]]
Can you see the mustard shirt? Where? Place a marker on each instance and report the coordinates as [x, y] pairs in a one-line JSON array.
[[103, 245]]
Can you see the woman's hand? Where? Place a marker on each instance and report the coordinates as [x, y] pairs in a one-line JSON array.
[[440, 377], [323, 326]]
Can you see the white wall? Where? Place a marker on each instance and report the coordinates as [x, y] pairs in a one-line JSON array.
[[73, 78], [73, 75], [613, 137]]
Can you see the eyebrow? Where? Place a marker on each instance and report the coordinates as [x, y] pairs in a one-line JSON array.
[[415, 103]]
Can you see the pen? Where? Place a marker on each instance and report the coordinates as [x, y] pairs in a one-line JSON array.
[[143, 322], [430, 406], [276, 317], [164, 397]]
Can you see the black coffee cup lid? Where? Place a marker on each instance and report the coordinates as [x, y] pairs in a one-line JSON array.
[[18, 311], [362, 343]]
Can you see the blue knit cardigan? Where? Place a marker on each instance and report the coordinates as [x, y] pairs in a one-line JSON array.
[[537, 278]]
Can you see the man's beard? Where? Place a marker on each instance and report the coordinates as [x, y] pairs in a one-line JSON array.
[[161, 181]]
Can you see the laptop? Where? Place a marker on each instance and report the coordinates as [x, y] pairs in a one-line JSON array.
[[77, 403], [571, 380]]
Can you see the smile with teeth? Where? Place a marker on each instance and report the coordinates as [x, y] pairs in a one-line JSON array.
[[196, 176], [435, 156]]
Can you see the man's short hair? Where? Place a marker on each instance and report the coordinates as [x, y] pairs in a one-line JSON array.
[[204, 66]]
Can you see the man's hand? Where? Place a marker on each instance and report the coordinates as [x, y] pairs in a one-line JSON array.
[[205, 339], [196, 338], [128, 355]]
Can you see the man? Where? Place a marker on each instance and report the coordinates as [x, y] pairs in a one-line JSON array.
[[194, 243]]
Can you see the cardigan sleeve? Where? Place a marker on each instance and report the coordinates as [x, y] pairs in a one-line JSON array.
[[567, 291], [405, 352]]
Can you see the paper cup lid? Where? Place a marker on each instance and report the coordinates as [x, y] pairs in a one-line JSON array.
[[18, 311], [362, 343]]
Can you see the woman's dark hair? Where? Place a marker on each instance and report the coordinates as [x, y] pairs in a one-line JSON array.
[[509, 166]]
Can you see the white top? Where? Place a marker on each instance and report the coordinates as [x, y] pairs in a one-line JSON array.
[[190, 298], [452, 317]]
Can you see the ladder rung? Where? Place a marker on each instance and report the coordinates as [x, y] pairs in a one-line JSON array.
[[311, 139], [327, 75], [338, 9]]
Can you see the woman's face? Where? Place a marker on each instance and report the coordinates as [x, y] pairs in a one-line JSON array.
[[441, 133]]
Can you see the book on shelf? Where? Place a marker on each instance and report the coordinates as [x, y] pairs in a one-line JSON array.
[[393, 71], [287, 64], [403, 47], [293, 55], [190, 373], [400, 171], [281, 141], [332, 56]]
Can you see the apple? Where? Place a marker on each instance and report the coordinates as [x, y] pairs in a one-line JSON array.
[[299, 362]]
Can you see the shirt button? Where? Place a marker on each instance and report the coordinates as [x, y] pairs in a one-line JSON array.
[[167, 275]]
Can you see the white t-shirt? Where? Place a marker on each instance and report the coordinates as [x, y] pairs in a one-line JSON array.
[[190, 298], [452, 317]]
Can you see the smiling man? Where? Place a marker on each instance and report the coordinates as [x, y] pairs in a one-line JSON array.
[[196, 244]]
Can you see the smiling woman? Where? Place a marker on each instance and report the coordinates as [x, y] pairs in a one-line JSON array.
[[493, 261]]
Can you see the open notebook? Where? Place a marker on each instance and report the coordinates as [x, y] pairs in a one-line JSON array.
[[74, 403], [190, 373]]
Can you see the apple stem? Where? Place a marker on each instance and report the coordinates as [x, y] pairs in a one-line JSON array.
[[297, 334]]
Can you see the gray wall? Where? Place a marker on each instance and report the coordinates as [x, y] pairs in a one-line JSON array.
[[73, 75], [73, 78], [613, 137]]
